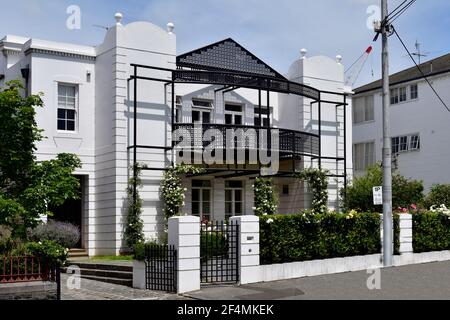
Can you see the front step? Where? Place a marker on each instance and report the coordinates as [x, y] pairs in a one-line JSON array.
[[110, 273], [78, 253]]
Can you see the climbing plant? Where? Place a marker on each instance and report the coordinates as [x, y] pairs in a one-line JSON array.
[[318, 183], [172, 190], [134, 229], [266, 201]]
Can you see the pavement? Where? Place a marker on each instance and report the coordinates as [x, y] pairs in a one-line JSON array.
[[96, 290], [430, 281]]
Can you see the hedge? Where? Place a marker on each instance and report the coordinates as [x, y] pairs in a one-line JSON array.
[[431, 232], [299, 237]]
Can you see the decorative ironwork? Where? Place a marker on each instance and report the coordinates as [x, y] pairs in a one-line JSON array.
[[219, 252], [290, 142], [161, 267], [245, 81], [226, 55]]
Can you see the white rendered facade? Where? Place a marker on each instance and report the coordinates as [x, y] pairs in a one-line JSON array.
[[416, 116], [103, 124]]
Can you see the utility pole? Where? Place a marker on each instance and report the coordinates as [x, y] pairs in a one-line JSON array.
[[387, 173]]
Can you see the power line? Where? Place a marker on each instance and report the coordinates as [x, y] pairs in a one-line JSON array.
[[393, 11], [420, 70], [398, 14]]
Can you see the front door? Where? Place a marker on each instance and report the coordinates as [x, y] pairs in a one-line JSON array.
[[70, 211]]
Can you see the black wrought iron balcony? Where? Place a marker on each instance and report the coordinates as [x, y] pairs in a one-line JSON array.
[[286, 142]]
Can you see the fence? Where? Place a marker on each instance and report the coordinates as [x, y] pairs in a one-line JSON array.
[[29, 269], [161, 267]]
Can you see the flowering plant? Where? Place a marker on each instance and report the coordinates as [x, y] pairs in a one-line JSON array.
[[266, 201], [318, 182], [441, 209]]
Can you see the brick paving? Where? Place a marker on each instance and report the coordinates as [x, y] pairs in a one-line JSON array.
[[96, 290]]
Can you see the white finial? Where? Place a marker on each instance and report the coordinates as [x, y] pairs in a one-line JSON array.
[[303, 52], [170, 27], [338, 58], [118, 16]]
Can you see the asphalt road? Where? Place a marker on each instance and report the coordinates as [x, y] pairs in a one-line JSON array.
[[420, 281]]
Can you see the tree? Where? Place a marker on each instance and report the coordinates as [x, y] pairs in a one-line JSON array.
[[358, 195], [29, 188]]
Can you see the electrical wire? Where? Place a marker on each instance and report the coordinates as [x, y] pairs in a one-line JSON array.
[[398, 14], [393, 11], [420, 70]]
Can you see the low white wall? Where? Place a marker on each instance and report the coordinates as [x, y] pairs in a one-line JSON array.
[[139, 274], [423, 257], [273, 272]]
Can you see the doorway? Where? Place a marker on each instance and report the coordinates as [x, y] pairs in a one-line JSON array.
[[71, 211]]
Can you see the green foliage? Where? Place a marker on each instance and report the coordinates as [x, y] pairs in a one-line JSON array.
[[307, 236], [396, 223], [213, 244], [49, 251], [265, 199], [439, 194], [431, 231], [28, 188], [134, 228], [318, 183], [18, 136], [172, 191], [358, 195], [140, 250]]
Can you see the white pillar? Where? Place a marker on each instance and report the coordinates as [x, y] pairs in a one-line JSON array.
[[184, 234], [139, 275], [406, 246], [248, 248]]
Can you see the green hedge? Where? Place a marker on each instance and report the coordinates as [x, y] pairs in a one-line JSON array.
[[213, 244], [431, 232], [300, 237]]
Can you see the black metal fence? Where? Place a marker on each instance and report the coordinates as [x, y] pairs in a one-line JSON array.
[[161, 267], [219, 252]]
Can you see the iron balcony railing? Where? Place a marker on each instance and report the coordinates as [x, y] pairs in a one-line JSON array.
[[286, 142]]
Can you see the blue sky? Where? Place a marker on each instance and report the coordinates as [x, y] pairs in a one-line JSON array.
[[274, 30]]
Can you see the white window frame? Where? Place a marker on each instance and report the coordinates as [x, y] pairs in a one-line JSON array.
[[366, 160], [201, 202], [405, 143], [416, 91], [233, 199], [234, 113], [366, 108], [67, 107]]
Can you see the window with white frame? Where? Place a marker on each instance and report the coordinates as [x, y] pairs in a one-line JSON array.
[[234, 198], [405, 143], [201, 199], [67, 107], [363, 109], [178, 108], [264, 118], [363, 155], [402, 94], [413, 91]]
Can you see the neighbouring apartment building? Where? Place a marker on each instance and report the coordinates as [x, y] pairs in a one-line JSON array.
[[419, 123], [122, 102]]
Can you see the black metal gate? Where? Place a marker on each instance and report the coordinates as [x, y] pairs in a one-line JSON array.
[[161, 267], [219, 252]]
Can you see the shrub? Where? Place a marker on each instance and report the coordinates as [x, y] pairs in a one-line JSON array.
[[141, 249], [431, 231], [299, 237], [439, 194], [213, 244], [317, 181], [47, 250], [63, 233], [358, 195], [265, 199]]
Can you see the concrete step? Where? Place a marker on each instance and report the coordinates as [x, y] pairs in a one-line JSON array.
[[106, 273], [123, 282], [113, 272], [77, 253], [101, 266]]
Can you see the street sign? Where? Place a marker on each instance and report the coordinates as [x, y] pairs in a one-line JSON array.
[[377, 195]]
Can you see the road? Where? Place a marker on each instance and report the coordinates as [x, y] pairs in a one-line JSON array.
[[420, 281]]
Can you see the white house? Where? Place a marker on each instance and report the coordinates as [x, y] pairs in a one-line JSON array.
[[419, 123], [90, 105]]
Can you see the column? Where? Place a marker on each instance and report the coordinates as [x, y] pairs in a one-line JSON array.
[[184, 234]]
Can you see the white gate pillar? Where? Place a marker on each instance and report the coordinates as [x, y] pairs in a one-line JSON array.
[[184, 234], [248, 248]]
